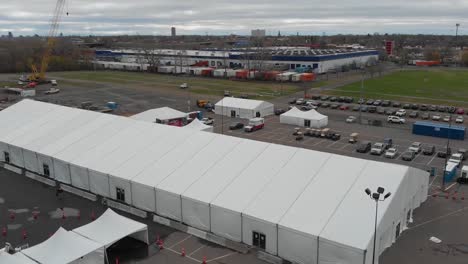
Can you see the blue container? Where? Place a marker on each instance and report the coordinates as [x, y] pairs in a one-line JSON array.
[[439, 130], [112, 105]]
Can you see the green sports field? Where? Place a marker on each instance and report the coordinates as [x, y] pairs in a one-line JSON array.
[[432, 86]]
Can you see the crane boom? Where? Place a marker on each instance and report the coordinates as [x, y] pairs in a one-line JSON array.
[[51, 39]]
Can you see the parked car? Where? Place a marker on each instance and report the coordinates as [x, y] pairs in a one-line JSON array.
[[361, 101], [446, 118], [406, 106], [415, 147], [415, 106], [433, 108], [388, 143], [255, 124], [377, 149], [308, 107], [391, 153], [364, 108], [408, 156], [333, 99], [351, 119], [207, 121], [444, 152], [370, 102], [341, 99], [315, 97], [401, 112], [423, 107], [356, 108], [324, 97], [460, 111], [344, 107], [364, 147], [377, 102], [372, 109], [456, 158], [380, 111], [53, 82], [292, 100], [425, 116], [396, 104], [348, 100], [428, 150], [335, 136], [386, 103], [414, 114], [459, 119], [279, 111], [300, 101], [334, 106], [451, 109], [436, 117], [441, 108], [395, 120], [235, 126], [325, 105], [390, 112]]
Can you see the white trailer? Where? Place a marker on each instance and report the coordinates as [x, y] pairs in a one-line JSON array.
[[197, 198], [227, 208]]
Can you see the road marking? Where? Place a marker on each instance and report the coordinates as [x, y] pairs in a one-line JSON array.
[[179, 253], [323, 140], [439, 217], [433, 157], [189, 236], [435, 177], [168, 99], [196, 250], [453, 184], [225, 256]]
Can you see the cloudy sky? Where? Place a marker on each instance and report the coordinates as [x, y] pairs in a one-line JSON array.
[[114, 17]]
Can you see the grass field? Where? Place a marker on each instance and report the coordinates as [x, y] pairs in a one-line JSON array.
[[432, 86], [209, 86]]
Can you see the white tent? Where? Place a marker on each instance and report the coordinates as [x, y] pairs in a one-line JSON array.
[[111, 227], [237, 188], [66, 247], [196, 124], [159, 115], [309, 118], [243, 108], [17, 258]]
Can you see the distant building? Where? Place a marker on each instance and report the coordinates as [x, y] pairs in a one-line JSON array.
[[173, 31], [258, 33]]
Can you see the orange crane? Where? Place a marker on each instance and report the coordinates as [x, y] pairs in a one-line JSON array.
[[38, 74]]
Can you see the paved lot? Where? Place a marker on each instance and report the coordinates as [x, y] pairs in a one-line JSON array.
[[440, 217]]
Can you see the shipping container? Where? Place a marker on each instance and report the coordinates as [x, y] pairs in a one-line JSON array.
[[439, 130], [307, 77], [285, 76], [270, 75], [242, 74], [207, 72]]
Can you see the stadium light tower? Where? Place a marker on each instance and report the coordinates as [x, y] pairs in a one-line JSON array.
[[376, 197]]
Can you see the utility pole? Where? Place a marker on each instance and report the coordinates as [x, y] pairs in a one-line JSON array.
[[446, 153], [361, 97]]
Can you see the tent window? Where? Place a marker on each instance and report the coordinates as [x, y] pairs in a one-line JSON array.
[[7, 157], [120, 194], [257, 114], [46, 170], [307, 123], [258, 240]]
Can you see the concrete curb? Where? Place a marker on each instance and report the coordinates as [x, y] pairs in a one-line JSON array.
[[39, 178], [78, 192]]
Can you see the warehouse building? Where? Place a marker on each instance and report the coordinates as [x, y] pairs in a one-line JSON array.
[[292, 58], [243, 108], [304, 206]]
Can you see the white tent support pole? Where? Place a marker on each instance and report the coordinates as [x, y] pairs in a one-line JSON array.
[[89, 180], [155, 201], [209, 214], [318, 248], [365, 255], [181, 210]]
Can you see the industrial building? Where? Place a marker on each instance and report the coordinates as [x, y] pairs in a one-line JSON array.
[[304, 206], [289, 58]]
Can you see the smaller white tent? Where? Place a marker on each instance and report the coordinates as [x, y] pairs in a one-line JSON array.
[[160, 115], [66, 247], [243, 108], [196, 124], [309, 118]]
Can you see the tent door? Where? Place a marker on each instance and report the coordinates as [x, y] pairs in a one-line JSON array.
[[257, 114], [46, 170], [258, 240], [120, 194], [233, 113], [307, 123], [6, 156], [397, 231]]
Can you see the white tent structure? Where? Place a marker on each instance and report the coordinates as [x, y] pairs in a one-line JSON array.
[[302, 205], [111, 227], [243, 108], [160, 115], [310, 118], [66, 247], [17, 258], [196, 124]]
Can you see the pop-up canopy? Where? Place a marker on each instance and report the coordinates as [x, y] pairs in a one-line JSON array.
[[64, 247], [309, 118], [196, 124], [111, 227]]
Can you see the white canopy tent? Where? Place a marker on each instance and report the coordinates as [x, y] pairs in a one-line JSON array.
[[196, 124], [232, 187], [243, 108], [162, 114], [111, 227], [66, 247], [309, 118]]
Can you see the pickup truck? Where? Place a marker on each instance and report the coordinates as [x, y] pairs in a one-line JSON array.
[[378, 149]]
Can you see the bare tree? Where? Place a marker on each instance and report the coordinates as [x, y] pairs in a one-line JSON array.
[[153, 58]]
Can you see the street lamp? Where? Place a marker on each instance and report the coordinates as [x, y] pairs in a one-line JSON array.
[[376, 197]]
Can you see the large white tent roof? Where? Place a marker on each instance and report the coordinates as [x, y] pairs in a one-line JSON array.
[[62, 247], [163, 113], [17, 258], [311, 114], [109, 228], [240, 103]]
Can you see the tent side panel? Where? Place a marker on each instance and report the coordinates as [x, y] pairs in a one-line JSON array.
[[330, 252], [168, 204], [268, 110], [143, 197], [61, 170], [79, 177], [196, 214], [226, 223], [3, 148], [246, 113], [99, 183], [16, 156], [30, 161], [250, 225], [116, 182], [296, 247]]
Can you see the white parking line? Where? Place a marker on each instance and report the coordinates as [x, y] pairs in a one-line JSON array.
[[433, 157], [332, 144], [323, 140], [179, 253], [196, 250], [225, 256], [189, 236]]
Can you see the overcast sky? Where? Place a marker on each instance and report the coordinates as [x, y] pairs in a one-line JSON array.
[[114, 17]]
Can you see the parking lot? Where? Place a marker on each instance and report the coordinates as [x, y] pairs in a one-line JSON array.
[[442, 216]]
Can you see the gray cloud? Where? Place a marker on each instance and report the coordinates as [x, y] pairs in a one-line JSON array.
[[238, 17]]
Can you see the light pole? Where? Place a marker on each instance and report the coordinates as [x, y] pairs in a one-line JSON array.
[[447, 147], [361, 96], [376, 197]]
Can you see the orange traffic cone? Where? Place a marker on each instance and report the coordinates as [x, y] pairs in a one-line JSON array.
[[12, 215], [204, 260], [25, 235], [161, 245], [183, 252]]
